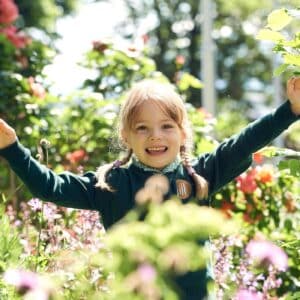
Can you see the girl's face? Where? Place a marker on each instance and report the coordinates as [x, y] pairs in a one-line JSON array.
[[155, 138]]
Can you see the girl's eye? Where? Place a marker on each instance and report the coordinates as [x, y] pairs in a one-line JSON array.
[[141, 128], [168, 126]]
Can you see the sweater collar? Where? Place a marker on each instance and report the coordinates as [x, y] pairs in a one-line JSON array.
[[169, 168]]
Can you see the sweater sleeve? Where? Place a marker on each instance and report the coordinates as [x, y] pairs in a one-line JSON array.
[[64, 189], [234, 155]]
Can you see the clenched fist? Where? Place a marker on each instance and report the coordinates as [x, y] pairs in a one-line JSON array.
[[7, 134], [293, 94]]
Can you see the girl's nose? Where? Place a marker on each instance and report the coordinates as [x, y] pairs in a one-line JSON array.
[[155, 135]]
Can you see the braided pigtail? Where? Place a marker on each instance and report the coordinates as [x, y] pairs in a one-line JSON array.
[[200, 182], [102, 171]]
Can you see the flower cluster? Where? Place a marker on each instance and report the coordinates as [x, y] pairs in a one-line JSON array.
[[8, 15], [254, 192], [265, 199], [8, 11], [255, 275], [29, 284]]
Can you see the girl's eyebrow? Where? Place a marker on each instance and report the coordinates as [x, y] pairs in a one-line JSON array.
[[145, 121]]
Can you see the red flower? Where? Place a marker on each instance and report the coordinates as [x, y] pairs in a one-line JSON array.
[[18, 39], [246, 182], [258, 157], [76, 156], [8, 11]]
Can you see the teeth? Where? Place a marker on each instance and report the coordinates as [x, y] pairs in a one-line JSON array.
[[156, 148]]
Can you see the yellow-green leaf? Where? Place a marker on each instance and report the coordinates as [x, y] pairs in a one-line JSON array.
[[188, 80], [278, 19], [279, 70], [292, 59], [270, 35]]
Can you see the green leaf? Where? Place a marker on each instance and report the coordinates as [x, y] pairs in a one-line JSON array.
[[293, 296], [292, 164], [292, 59], [278, 19], [279, 70], [188, 80], [270, 35], [272, 151]]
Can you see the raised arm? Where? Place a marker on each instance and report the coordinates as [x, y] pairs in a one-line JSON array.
[[65, 189], [234, 155]]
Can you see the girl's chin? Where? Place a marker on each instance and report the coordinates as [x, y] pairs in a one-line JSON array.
[[157, 166]]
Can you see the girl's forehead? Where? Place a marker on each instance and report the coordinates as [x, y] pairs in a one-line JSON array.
[[151, 110]]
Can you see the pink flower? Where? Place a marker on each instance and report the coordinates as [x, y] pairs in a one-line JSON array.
[[246, 182], [247, 295], [29, 284], [146, 273], [145, 38], [35, 204], [17, 38], [180, 60], [23, 280], [267, 253], [8, 11], [36, 89]]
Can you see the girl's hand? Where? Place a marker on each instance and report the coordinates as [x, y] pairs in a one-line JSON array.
[[293, 94], [7, 134]]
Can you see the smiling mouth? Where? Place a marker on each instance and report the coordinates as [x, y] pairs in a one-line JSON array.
[[156, 150]]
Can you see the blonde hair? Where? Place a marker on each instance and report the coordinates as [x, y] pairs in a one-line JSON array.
[[165, 96]]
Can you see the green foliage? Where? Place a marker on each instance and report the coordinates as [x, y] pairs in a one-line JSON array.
[[43, 14], [286, 46], [267, 199], [177, 32], [84, 121], [10, 246], [117, 69], [82, 127]]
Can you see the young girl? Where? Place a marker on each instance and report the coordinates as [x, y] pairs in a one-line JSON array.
[[154, 129]]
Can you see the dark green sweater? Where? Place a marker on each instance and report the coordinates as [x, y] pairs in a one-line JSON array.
[[230, 158]]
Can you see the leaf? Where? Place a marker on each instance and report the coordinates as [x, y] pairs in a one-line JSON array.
[[279, 70], [278, 19], [292, 164], [292, 43], [187, 80], [270, 35], [293, 296], [292, 59], [272, 151], [269, 151]]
